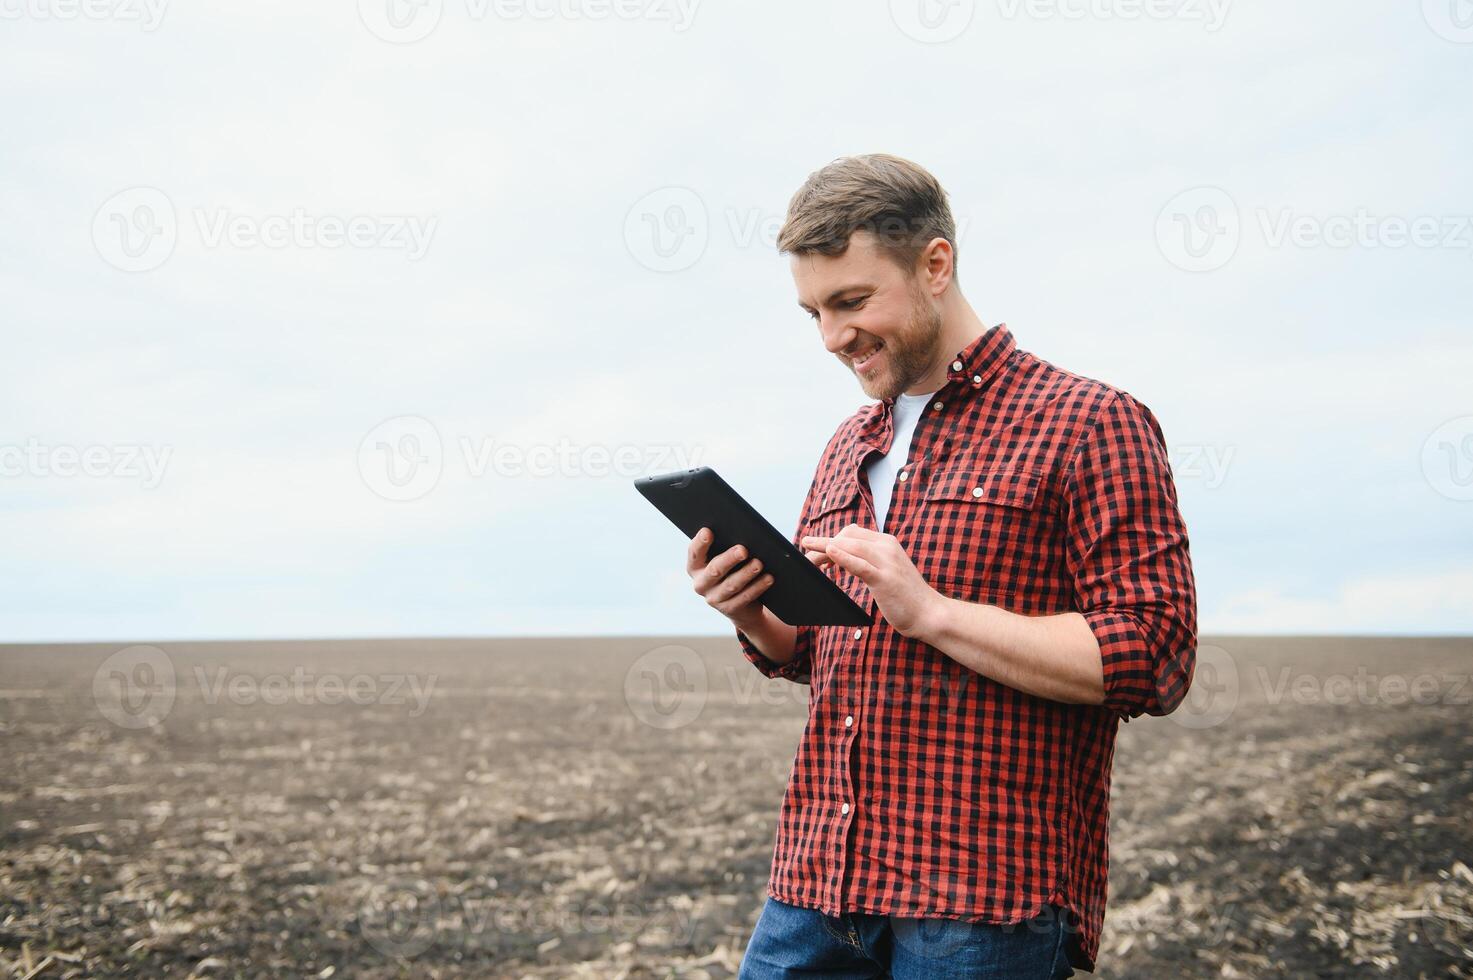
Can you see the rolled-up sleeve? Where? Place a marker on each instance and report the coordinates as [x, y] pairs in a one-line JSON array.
[[796, 670], [1129, 557]]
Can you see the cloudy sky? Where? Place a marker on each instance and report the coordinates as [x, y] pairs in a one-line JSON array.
[[334, 319]]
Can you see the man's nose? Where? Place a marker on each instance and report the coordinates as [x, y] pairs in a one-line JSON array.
[[837, 338]]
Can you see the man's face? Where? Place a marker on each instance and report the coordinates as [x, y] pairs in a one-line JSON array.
[[876, 318]]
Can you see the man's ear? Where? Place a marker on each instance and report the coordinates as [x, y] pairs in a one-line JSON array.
[[936, 266]]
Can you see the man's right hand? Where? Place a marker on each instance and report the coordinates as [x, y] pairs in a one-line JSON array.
[[729, 583]]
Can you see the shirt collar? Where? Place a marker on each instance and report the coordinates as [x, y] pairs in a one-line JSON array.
[[976, 364], [970, 371], [979, 362]]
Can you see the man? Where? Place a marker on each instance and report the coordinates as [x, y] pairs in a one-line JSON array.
[[1013, 529]]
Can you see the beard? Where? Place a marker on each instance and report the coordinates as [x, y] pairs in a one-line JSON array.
[[909, 353]]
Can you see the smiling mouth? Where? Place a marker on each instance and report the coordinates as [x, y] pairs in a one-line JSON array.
[[867, 359]]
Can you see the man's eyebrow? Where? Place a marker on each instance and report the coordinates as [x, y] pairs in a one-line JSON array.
[[837, 293]]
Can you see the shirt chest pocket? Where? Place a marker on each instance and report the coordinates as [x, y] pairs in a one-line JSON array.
[[981, 530], [836, 507]]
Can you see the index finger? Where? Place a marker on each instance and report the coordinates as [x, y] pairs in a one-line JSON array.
[[847, 532]]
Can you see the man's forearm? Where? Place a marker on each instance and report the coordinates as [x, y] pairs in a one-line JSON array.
[[776, 639], [1054, 657]]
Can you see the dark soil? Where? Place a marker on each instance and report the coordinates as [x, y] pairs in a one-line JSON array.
[[551, 811]]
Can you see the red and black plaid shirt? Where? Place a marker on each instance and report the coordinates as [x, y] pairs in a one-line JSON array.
[[922, 788]]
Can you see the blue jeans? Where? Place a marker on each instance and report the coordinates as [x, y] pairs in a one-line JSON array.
[[796, 942]]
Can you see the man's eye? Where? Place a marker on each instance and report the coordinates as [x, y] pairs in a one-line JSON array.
[[854, 304]]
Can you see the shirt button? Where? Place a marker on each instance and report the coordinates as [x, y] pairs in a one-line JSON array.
[[956, 365], [848, 721], [976, 491], [844, 809], [937, 406], [859, 634], [976, 379], [904, 476]]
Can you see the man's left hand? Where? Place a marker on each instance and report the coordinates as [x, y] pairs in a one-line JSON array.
[[879, 561]]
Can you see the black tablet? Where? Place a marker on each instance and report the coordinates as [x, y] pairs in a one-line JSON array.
[[800, 593]]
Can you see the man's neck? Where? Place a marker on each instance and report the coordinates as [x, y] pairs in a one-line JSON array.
[[960, 325]]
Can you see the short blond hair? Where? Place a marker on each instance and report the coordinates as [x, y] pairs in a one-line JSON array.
[[897, 201]]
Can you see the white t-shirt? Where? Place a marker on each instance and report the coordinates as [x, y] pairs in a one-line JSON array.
[[882, 469]]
